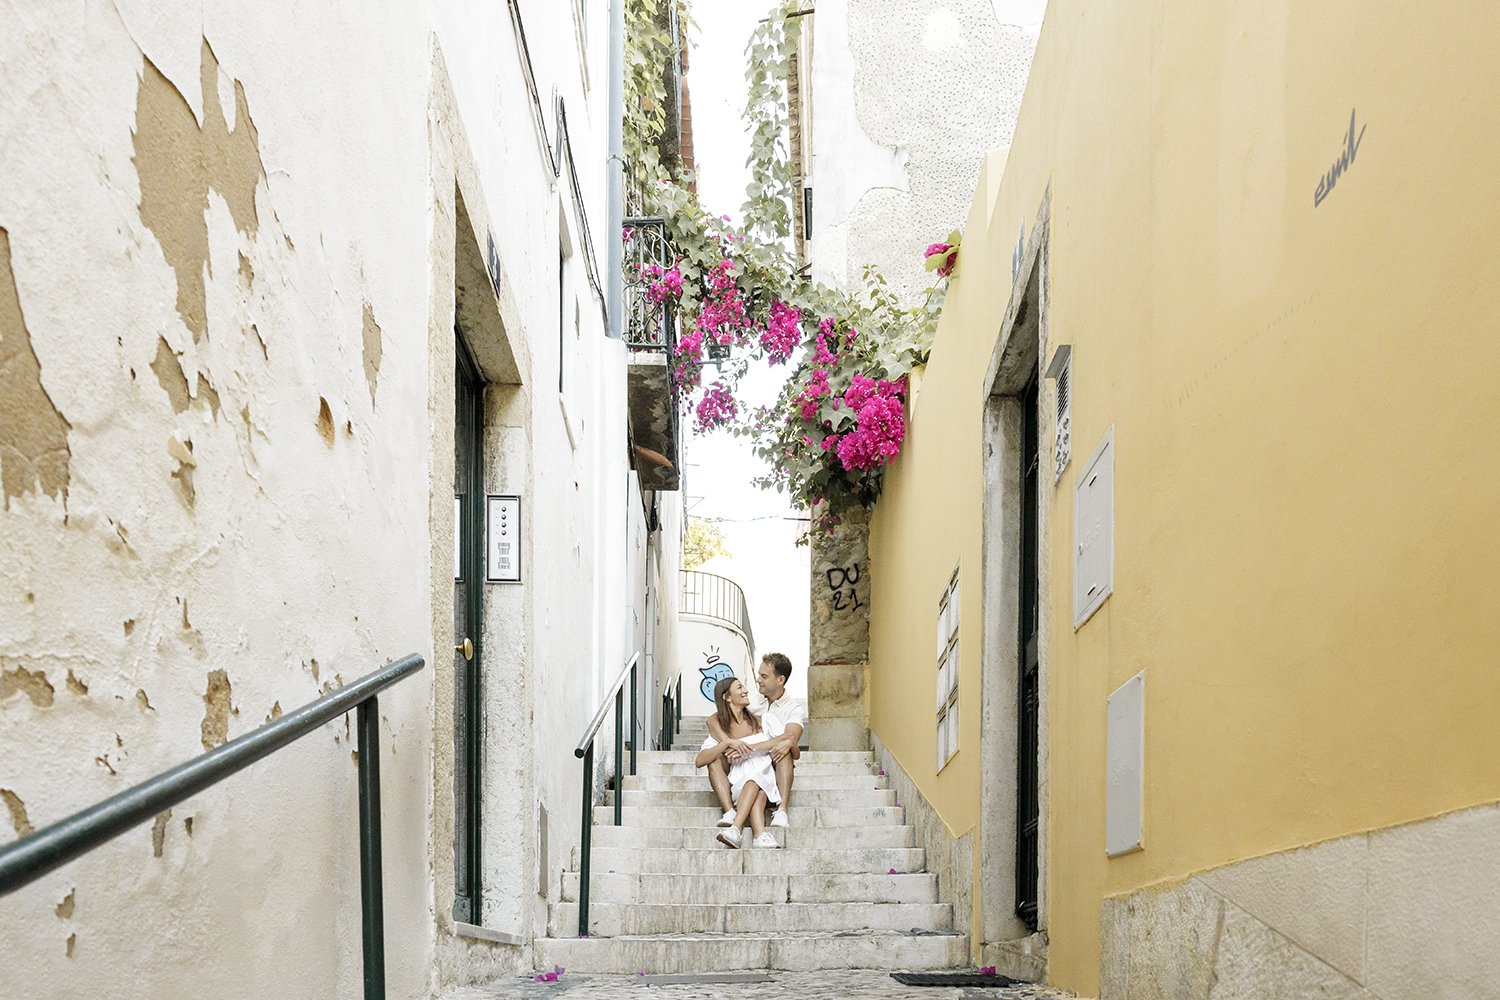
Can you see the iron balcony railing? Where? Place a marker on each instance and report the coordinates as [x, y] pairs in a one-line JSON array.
[[29, 858], [649, 325], [585, 751], [709, 595]]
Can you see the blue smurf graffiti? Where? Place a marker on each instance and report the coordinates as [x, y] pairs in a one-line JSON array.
[[713, 673]]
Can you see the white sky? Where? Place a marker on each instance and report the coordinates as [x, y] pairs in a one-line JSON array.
[[764, 559]]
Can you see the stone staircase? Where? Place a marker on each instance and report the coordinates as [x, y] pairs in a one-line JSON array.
[[848, 891]]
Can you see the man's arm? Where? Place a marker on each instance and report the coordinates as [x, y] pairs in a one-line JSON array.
[[786, 743]]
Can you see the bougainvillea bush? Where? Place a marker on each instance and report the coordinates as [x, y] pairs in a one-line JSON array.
[[742, 299]]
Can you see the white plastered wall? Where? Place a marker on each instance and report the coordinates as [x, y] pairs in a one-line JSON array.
[[702, 644], [899, 129], [313, 545]]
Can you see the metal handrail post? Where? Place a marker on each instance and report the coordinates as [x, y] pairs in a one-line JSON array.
[[679, 703], [619, 752], [586, 841], [634, 720], [371, 886]]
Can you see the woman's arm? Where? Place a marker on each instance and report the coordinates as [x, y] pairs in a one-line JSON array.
[[708, 755]]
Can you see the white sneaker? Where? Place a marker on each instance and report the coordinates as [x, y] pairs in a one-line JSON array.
[[730, 837], [727, 819], [779, 818], [766, 840]]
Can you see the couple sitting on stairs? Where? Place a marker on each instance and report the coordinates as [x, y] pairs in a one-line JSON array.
[[750, 757]]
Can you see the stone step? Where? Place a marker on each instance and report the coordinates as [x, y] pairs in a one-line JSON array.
[[814, 798], [799, 835], [666, 888], [698, 781], [712, 858], [617, 919], [803, 815], [687, 768], [704, 953], [686, 756]]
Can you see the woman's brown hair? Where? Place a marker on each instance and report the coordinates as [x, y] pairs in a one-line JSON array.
[[725, 713]]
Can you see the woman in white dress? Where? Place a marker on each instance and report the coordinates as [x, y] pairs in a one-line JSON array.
[[752, 776]]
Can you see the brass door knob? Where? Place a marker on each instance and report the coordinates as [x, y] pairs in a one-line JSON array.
[[466, 647]]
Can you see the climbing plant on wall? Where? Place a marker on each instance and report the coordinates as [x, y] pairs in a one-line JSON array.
[[743, 300]]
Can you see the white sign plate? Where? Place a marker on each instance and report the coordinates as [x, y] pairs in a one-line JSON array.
[[502, 532]]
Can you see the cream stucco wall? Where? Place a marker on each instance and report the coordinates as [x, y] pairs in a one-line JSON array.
[[1302, 537], [229, 245]]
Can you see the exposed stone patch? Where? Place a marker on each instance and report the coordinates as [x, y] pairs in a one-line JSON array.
[[208, 394], [187, 824], [274, 713], [264, 353], [76, 686], [215, 728], [169, 374], [182, 451], [34, 451], [72, 941], [18, 818], [32, 683], [65, 908], [129, 625], [143, 701], [325, 421], [178, 162], [246, 271], [373, 350], [159, 832]]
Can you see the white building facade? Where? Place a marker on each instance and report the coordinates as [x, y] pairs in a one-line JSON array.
[[253, 263], [901, 102]]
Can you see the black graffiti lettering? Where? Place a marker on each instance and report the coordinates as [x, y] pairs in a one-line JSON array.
[[841, 581]]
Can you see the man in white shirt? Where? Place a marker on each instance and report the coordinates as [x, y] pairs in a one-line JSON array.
[[770, 679]]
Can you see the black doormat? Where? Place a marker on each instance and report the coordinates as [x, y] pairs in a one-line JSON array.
[[952, 979]]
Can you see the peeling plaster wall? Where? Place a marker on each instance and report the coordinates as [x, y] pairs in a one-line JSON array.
[[220, 445], [907, 97]]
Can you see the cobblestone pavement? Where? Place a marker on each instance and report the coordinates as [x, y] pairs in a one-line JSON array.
[[832, 985]]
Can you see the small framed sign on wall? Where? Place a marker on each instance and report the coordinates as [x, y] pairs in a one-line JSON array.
[[502, 533]]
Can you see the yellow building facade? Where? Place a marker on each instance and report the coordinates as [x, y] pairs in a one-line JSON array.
[[1260, 243]]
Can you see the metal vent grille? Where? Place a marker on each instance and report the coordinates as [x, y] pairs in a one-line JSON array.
[[1062, 438]]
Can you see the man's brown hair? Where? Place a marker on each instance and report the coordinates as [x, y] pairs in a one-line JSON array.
[[780, 664]]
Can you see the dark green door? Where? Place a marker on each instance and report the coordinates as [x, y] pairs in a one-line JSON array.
[[1029, 707], [468, 597]]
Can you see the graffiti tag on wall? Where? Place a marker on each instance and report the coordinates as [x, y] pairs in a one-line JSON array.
[[1342, 164], [841, 582], [715, 671]]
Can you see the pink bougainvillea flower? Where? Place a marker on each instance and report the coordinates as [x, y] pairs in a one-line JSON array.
[[950, 257], [988, 970], [825, 354], [717, 407], [891, 872], [783, 332], [626, 234]]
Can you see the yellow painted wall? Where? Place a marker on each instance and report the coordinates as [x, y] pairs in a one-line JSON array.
[[1306, 409]]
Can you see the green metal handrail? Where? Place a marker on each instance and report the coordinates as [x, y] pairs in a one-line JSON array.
[[585, 750], [51, 847]]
